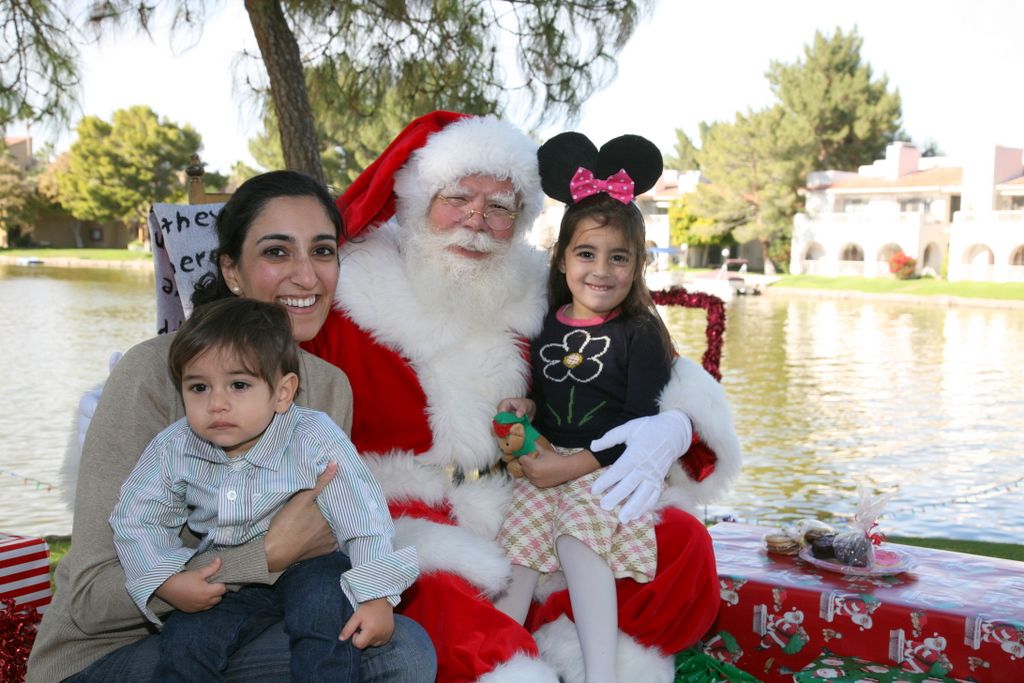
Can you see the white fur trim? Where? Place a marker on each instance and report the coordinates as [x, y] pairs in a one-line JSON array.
[[447, 548], [466, 363], [479, 145], [559, 645], [403, 477], [478, 507], [693, 391], [481, 506], [520, 669]]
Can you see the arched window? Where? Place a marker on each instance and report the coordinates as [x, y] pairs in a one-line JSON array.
[[932, 257], [814, 252], [852, 252], [887, 252]]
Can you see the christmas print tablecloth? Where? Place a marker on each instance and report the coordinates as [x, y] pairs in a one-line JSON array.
[[829, 667], [953, 615]]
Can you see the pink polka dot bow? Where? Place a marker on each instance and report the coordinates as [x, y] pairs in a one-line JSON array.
[[617, 186]]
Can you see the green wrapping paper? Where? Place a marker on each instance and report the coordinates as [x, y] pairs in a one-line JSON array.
[[829, 667], [693, 666]]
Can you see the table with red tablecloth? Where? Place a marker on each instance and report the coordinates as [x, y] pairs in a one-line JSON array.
[[954, 615]]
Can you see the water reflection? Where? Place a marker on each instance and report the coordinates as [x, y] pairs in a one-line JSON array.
[[829, 394], [826, 394], [57, 328]]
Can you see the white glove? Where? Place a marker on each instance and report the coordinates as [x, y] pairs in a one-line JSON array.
[[90, 399], [652, 444]]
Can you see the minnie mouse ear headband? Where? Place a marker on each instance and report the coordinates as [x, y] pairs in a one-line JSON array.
[[572, 168], [433, 152]]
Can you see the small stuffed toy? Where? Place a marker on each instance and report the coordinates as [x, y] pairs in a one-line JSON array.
[[516, 438]]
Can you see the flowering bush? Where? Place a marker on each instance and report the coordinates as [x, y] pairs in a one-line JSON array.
[[902, 266]]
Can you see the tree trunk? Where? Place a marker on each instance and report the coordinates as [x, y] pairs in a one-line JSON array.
[[280, 53]]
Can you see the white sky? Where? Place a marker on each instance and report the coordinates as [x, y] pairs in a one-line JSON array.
[[957, 65]]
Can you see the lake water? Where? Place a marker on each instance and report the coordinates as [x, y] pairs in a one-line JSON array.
[[826, 394]]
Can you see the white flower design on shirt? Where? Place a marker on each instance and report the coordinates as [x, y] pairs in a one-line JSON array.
[[577, 357]]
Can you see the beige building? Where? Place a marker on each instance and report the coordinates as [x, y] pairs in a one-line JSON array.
[[57, 228], [21, 150], [934, 209]]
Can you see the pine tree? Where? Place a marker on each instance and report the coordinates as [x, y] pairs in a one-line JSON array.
[[832, 113], [686, 154], [837, 115], [751, 193]]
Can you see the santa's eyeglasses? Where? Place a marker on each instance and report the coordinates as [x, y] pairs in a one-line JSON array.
[[497, 218]]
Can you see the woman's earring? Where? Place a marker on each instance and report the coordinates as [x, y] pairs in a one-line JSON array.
[[236, 289]]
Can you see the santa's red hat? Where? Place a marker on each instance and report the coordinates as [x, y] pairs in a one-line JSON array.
[[433, 152]]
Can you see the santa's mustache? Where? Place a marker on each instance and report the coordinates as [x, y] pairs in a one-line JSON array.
[[474, 240]]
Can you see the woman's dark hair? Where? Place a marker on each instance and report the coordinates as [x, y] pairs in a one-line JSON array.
[[606, 211], [238, 214], [258, 334]]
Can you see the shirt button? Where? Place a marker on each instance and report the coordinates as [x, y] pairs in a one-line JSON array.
[[232, 495]]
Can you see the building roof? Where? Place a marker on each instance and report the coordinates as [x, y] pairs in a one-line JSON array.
[[1013, 187], [943, 177]]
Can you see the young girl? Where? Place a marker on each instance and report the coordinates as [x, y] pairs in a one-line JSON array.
[[602, 359]]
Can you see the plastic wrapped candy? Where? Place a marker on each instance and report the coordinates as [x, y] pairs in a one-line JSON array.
[[823, 548], [853, 548], [811, 529], [856, 547]]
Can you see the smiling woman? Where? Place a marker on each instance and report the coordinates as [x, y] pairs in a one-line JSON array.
[[289, 256], [278, 242], [277, 239]]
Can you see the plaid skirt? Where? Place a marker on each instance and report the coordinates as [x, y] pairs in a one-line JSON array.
[[539, 516]]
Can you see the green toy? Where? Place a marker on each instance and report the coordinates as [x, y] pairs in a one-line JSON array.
[[516, 436]]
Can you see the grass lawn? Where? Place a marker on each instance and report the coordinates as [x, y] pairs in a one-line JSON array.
[[85, 254], [919, 287], [1006, 551], [58, 548]]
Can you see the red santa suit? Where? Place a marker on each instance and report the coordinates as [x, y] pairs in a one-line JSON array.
[[427, 375]]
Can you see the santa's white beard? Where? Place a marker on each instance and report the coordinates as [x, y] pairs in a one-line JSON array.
[[462, 286]]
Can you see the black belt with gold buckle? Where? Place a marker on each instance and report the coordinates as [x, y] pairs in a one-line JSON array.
[[456, 475]]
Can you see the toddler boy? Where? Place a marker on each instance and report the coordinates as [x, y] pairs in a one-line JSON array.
[[241, 451]]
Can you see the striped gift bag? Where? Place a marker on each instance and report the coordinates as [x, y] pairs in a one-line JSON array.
[[25, 571]]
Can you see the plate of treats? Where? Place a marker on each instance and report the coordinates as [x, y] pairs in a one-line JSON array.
[[855, 552], [886, 560]]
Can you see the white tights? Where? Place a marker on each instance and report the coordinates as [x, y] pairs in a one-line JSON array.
[[592, 594]]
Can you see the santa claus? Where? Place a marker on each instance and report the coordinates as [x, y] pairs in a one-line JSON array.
[[433, 313]]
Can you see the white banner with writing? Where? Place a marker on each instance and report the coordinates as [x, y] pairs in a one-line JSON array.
[[184, 243]]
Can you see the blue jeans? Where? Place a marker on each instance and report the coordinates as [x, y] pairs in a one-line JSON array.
[[407, 658], [309, 598]]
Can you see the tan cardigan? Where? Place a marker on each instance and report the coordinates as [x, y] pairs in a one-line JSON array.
[[92, 613]]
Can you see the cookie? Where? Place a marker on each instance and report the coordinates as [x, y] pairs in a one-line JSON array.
[[781, 544]]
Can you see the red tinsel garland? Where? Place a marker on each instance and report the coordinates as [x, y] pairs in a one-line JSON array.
[[715, 330], [17, 633]]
